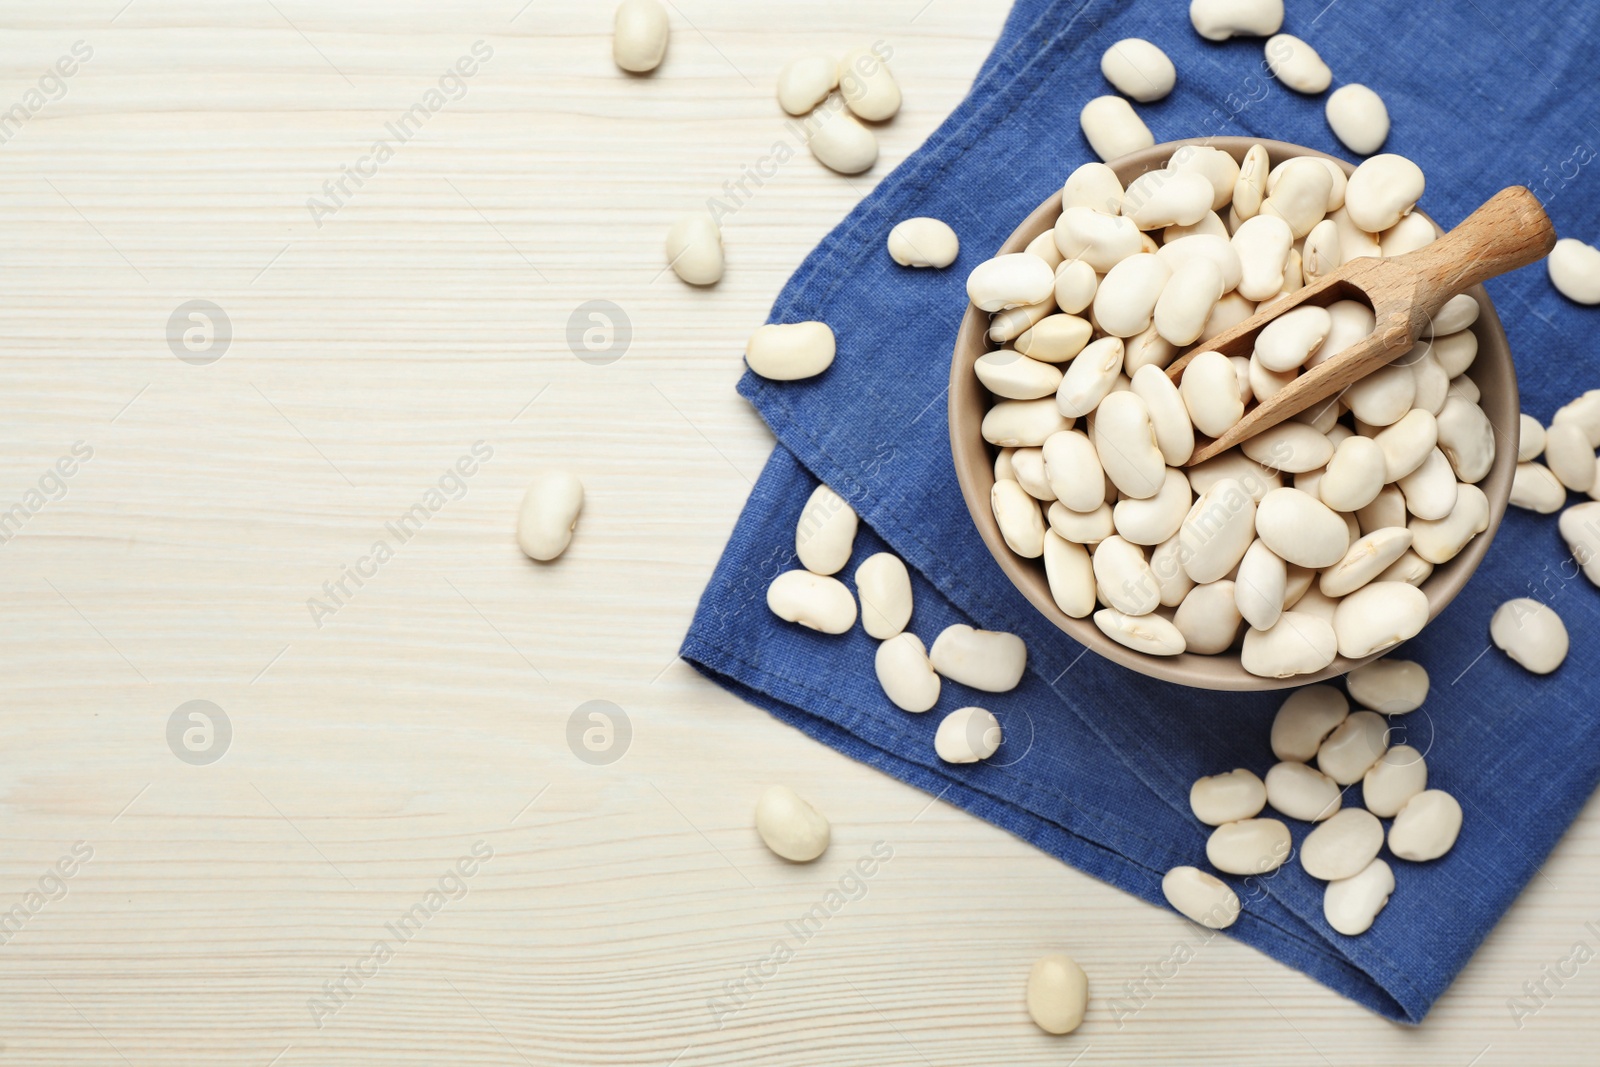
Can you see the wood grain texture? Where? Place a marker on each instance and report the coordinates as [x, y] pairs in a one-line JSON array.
[[430, 712]]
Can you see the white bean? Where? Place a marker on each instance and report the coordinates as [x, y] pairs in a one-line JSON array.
[[1298, 643], [1377, 616], [1304, 720], [1455, 352], [1407, 443], [1138, 69], [1353, 747], [1354, 475], [1351, 904], [1082, 527], [826, 533], [1358, 118], [1028, 471], [1153, 520], [983, 659], [1290, 339], [1076, 284], [694, 249], [1113, 128], [1230, 311], [1400, 775], [1023, 423], [1095, 186], [1580, 529], [1010, 281], [791, 828], [1575, 270], [1126, 299], [1218, 168], [1569, 456], [1218, 530], [1291, 447], [815, 601], [1014, 376], [1126, 441], [884, 586], [1211, 394], [1430, 490], [1123, 576], [787, 352], [1343, 845], [967, 735], [1166, 564], [1583, 412], [1321, 254], [907, 677], [1168, 415], [1441, 540], [1055, 338], [1058, 994], [1090, 377], [1161, 198], [923, 242], [867, 86], [1297, 65], [1019, 518], [1301, 529], [1208, 618], [1430, 383], [1014, 322], [1219, 251], [639, 35], [1217, 20], [1070, 572], [1531, 633], [1201, 897], [1073, 468], [806, 80], [1100, 240], [1249, 846], [1384, 396], [1300, 194], [1260, 586], [839, 141], [1302, 792], [1230, 797], [1530, 438], [1263, 244], [1150, 634], [1409, 234], [548, 515], [1426, 827], [1382, 191], [1367, 558], [1392, 686]]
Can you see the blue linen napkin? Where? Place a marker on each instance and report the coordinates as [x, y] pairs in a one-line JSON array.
[[1097, 760]]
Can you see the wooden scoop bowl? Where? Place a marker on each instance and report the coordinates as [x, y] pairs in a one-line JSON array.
[[1509, 231]]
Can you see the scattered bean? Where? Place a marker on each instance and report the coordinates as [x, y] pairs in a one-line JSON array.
[[1229, 797], [907, 676], [867, 86], [1426, 827], [1058, 994], [840, 142], [1531, 633], [1400, 775], [1250, 846], [1342, 846], [1353, 747], [790, 827], [1351, 904], [1358, 118], [787, 352], [1297, 65], [806, 81], [1302, 792], [694, 249], [1201, 897], [639, 35], [1112, 128], [1575, 270], [923, 242], [1389, 686], [548, 515], [983, 659], [967, 735], [1217, 20]]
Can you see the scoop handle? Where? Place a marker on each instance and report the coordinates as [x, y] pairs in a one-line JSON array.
[[1509, 231]]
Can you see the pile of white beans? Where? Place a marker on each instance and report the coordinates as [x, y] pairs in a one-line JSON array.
[[1324, 749], [1313, 537], [909, 672]]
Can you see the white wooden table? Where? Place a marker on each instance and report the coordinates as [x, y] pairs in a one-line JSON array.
[[229, 913]]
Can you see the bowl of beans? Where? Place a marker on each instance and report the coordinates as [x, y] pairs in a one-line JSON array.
[[1316, 546]]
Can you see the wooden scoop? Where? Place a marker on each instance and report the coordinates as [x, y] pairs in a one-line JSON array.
[[1509, 231]]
